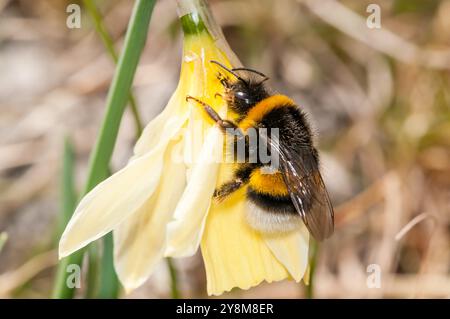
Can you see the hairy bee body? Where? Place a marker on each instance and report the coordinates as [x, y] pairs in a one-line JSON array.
[[270, 205], [294, 192]]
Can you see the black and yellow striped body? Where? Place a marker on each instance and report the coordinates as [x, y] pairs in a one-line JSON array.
[[270, 205], [280, 197]]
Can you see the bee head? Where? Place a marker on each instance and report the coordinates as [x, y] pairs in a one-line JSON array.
[[246, 90], [245, 93]]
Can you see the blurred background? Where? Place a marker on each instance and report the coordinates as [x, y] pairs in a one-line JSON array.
[[379, 100]]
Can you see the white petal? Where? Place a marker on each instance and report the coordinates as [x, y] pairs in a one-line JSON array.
[[291, 250], [117, 197], [185, 231], [139, 241]]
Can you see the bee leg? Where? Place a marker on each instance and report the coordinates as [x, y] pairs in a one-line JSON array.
[[223, 80], [227, 189], [241, 177], [223, 124]]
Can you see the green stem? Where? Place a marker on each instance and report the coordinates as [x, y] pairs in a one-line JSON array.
[[108, 42], [109, 283], [192, 23], [3, 239], [314, 253], [93, 270], [61, 289], [115, 106], [68, 201], [173, 278], [69, 195]]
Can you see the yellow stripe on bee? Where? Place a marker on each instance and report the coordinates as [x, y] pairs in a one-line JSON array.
[[257, 112], [270, 184]]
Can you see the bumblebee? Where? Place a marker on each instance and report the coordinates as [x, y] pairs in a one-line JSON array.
[[295, 192]]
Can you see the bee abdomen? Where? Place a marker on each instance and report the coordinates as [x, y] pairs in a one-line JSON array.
[[268, 184], [271, 214]]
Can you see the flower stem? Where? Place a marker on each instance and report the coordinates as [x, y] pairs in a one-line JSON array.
[[314, 254], [192, 23], [3, 239], [68, 201], [109, 283], [175, 293], [118, 96], [93, 270]]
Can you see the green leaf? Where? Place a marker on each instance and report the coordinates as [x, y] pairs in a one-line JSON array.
[[68, 202], [175, 294], [3, 239], [314, 255], [69, 195], [109, 283], [93, 270]]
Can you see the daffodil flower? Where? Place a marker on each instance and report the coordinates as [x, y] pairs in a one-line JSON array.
[[160, 204]]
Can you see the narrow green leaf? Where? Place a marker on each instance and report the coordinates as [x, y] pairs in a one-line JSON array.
[[109, 283], [61, 289], [93, 270], [175, 294], [3, 239], [68, 202], [314, 254], [69, 195]]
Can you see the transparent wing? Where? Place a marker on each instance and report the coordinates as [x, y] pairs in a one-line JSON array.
[[306, 188]]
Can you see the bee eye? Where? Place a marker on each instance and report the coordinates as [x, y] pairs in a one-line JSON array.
[[243, 97]]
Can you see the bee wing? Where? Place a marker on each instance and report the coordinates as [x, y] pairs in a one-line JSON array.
[[307, 190]]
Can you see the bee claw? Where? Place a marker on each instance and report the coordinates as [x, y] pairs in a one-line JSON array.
[[217, 197], [218, 94]]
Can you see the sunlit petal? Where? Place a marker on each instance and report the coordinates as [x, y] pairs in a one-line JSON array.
[[185, 231], [158, 127], [139, 241], [234, 254], [118, 197], [291, 250]]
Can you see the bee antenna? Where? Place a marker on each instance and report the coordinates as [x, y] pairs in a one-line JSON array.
[[253, 71], [263, 80], [231, 71]]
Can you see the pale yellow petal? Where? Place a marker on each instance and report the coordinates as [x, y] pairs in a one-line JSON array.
[[234, 254], [157, 129], [185, 231], [111, 202], [139, 241], [291, 250], [118, 197]]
